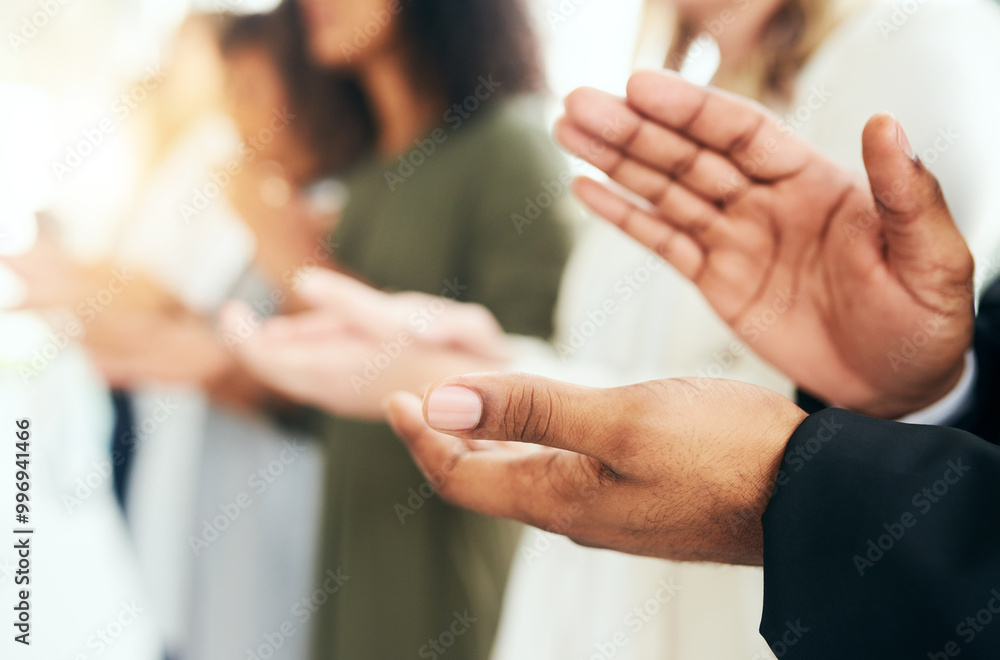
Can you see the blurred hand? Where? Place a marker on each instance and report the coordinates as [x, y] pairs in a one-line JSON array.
[[360, 344], [132, 348], [860, 292], [677, 469], [54, 278], [432, 320], [135, 331]]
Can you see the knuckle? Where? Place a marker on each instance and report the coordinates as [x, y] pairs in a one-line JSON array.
[[637, 413], [528, 413], [480, 316], [935, 191]]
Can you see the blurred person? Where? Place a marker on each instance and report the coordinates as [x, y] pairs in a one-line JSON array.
[[196, 237], [454, 146], [80, 551], [251, 574], [826, 66], [152, 324]]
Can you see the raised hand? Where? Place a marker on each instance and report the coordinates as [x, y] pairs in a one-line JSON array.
[[677, 469], [859, 291]]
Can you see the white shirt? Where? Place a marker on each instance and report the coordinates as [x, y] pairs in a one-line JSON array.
[[934, 67]]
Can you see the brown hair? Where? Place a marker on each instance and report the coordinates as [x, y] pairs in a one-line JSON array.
[[793, 35], [329, 110]]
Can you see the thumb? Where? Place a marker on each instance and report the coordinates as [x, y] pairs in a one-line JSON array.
[[524, 408], [924, 247]]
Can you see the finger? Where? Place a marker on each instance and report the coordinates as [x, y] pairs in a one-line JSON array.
[[603, 130], [328, 288], [237, 323], [671, 199], [470, 327], [268, 356], [494, 483], [677, 247], [385, 316], [740, 130], [371, 310], [308, 326], [923, 245], [530, 409]]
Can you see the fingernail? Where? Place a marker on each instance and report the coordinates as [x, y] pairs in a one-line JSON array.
[[904, 142], [454, 408]]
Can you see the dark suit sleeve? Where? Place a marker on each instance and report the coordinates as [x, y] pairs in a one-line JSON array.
[[982, 416], [882, 540]]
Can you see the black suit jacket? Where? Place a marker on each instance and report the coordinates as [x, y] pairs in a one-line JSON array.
[[882, 540]]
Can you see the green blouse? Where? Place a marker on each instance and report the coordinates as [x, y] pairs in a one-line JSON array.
[[477, 211]]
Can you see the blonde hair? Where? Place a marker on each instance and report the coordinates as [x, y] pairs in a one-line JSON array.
[[793, 35]]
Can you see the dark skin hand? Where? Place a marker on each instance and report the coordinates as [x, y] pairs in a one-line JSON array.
[[677, 469], [823, 274]]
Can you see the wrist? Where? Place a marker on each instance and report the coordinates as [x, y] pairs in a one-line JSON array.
[[929, 397], [769, 453]]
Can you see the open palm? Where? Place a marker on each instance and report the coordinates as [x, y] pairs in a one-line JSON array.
[[859, 291]]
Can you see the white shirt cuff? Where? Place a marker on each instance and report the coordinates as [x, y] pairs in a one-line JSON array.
[[953, 404]]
